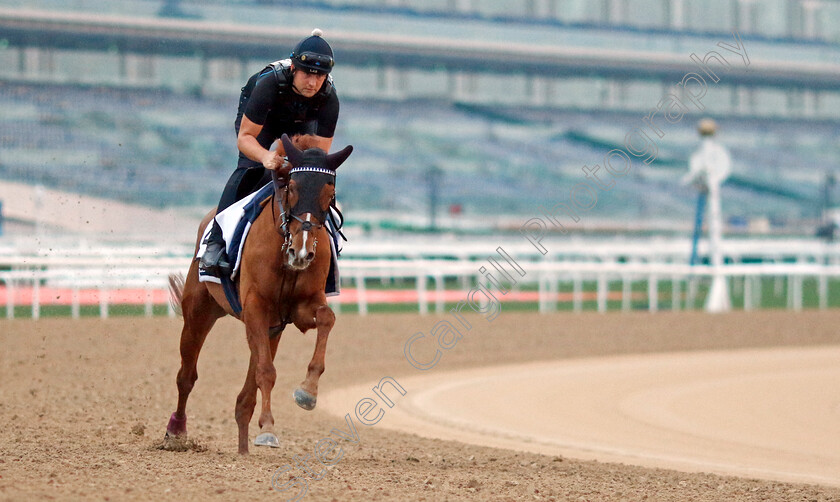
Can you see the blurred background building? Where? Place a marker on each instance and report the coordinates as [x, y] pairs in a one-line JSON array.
[[465, 114]]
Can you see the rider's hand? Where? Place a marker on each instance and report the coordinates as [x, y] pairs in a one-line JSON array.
[[272, 160]]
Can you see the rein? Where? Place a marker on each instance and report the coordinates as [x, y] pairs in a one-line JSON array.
[[283, 230]]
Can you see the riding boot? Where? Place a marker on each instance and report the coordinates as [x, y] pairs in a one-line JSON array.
[[214, 261]]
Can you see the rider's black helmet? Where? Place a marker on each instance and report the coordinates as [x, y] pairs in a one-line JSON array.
[[313, 54]]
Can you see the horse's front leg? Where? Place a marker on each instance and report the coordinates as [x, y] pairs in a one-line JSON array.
[[307, 394], [264, 374], [246, 401], [267, 436]]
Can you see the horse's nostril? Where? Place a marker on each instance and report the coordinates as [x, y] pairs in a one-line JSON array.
[[310, 256], [291, 253]]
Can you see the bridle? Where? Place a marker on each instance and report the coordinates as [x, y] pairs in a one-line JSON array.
[[282, 224], [308, 203], [283, 227]]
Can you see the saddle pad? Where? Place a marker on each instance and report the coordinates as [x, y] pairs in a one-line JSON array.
[[236, 221]]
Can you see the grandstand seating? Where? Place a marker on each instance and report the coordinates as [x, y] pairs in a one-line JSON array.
[[161, 149], [132, 145], [164, 147]]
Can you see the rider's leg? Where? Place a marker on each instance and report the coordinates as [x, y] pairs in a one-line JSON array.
[[333, 223], [214, 260], [242, 182]]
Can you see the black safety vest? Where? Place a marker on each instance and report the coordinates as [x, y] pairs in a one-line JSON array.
[[281, 69]]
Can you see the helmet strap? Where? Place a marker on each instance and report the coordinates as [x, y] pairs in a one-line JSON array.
[[292, 80]]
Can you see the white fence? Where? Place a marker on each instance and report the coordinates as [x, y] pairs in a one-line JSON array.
[[548, 276], [105, 275], [430, 277]]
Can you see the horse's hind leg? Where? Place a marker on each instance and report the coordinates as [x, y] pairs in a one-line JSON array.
[[306, 395], [200, 313]]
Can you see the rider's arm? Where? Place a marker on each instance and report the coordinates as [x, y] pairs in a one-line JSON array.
[[328, 118], [263, 99], [248, 145]]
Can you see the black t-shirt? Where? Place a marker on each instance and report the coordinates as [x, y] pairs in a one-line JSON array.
[[281, 110]]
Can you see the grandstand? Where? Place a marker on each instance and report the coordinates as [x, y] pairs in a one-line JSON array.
[[127, 144], [142, 116]]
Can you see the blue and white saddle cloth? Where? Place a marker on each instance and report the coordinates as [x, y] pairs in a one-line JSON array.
[[236, 221]]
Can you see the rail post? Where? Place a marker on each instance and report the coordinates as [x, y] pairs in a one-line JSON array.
[[823, 291], [361, 293], [422, 300], [74, 302], [603, 292], [36, 294], [10, 297], [653, 293], [103, 302], [626, 293]]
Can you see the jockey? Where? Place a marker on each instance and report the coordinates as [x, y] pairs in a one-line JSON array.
[[291, 96]]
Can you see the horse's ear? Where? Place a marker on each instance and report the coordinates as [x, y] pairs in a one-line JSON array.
[[336, 159], [291, 150]]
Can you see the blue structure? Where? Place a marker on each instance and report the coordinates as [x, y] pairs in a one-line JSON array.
[[698, 226]]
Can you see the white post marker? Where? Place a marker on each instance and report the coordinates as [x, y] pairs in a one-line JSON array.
[[709, 167]]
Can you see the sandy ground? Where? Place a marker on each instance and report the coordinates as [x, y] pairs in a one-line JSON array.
[[84, 404], [772, 413]]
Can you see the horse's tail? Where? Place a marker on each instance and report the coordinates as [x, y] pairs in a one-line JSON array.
[[176, 292]]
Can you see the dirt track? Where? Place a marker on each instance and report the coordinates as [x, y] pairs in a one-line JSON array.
[[770, 413], [83, 406]]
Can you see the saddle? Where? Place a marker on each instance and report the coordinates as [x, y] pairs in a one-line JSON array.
[[235, 222]]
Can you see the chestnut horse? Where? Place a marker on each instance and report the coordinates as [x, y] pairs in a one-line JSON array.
[[281, 280]]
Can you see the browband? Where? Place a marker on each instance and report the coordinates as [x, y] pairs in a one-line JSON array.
[[312, 169]]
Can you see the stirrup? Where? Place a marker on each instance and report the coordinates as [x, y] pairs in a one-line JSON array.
[[214, 261]]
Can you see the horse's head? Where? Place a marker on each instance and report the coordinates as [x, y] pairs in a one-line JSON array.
[[311, 188]]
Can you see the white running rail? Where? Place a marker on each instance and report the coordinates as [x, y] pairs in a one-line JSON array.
[[150, 274]]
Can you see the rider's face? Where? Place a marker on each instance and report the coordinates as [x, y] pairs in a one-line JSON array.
[[307, 84]]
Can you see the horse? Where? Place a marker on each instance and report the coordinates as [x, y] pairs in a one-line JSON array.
[[281, 281]]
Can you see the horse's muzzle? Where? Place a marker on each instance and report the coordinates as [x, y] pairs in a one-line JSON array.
[[299, 260]]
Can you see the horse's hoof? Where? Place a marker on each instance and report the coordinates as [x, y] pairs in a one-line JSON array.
[[267, 439], [176, 427], [304, 399]]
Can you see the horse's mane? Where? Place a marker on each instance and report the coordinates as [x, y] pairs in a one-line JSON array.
[[305, 142]]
